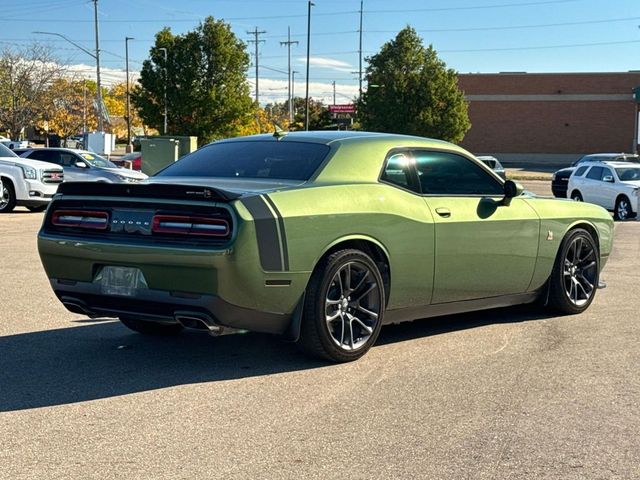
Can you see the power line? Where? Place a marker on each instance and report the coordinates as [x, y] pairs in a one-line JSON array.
[[540, 47]]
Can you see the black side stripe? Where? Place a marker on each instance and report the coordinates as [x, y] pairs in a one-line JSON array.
[[267, 233], [283, 235]]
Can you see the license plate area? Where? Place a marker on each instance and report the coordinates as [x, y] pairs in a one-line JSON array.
[[121, 281]]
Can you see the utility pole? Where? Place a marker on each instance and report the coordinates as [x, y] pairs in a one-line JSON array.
[[84, 107], [334, 92], [165, 89], [256, 34], [99, 94], [288, 43], [126, 55], [293, 93], [306, 110], [360, 54]]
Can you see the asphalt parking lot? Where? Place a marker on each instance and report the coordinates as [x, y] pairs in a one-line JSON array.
[[510, 393]]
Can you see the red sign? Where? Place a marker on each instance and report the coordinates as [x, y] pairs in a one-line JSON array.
[[344, 108]]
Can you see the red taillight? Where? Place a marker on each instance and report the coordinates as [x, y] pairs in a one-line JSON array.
[[80, 219], [187, 225]]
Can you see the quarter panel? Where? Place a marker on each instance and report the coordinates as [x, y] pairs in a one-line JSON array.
[[319, 217]]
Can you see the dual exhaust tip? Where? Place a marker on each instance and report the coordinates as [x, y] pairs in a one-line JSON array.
[[191, 320]]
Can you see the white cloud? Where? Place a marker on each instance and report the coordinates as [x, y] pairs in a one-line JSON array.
[[329, 63], [276, 91], [108, 76]]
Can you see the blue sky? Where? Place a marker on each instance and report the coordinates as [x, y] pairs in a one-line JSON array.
[[470, 35]]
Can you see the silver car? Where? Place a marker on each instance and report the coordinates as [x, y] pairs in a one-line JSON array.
[[84, 166]]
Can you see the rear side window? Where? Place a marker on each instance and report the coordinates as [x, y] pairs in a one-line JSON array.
[[595, 173], [398, 171], [270, 159], [443, 173], [580, 171]]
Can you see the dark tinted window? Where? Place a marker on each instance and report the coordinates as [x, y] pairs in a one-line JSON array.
[[595, 173], [45, 156], [282, 160], [397, 170], [580, 171], [443, 173]]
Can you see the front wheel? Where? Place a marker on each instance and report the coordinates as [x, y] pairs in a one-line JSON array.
[[149, 327], [576, 273], [344, 306], [623, 209], [7, 197]]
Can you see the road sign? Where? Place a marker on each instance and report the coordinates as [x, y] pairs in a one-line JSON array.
[[344, 108]]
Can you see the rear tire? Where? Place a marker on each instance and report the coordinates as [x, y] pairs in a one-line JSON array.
[[623, 209], [7, 197], [40, 208], [344, 307], [576, 196], [576, 273], [149, 327]]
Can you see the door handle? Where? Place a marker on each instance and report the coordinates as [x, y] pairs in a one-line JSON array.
[[443, 212]]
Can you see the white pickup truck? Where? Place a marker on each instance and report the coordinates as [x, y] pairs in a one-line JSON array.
[[26, 183]]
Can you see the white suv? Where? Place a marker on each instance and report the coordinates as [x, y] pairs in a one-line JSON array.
[[612, 185], [27, 183]]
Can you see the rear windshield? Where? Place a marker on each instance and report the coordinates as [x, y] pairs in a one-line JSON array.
[[281, 160]]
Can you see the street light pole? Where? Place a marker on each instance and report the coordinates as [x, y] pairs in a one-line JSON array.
[[164, 130], [99, 94], [306, 110], [126, 54]]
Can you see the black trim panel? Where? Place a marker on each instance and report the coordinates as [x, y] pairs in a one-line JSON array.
[[452, 308], [266, 232], [283, 235]]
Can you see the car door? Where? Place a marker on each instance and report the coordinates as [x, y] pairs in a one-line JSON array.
[[608, 189], [71, 169], [483, 248], [591, 185]]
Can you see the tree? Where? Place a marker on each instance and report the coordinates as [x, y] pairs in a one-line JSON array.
[[25, 75], [319, 116], [205, 77], [69, 106], [411, 91]]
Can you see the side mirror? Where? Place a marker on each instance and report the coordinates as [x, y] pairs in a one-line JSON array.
[[608, 178], [81, 164], [511, 189]]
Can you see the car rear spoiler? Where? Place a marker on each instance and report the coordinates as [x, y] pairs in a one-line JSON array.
[[147, 190]]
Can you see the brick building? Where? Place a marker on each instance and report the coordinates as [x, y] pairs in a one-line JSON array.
[[549, 118]]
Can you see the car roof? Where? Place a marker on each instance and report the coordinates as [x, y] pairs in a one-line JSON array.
[[610, 155], [332, 136], [611, 164]]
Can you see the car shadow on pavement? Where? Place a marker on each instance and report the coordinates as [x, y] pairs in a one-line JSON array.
[[99, 359]]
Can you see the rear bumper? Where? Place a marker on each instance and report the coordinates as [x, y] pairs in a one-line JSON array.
[[166, 307]]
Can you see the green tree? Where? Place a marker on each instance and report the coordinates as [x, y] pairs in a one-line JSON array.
[[411, 91], [319, 116], [205, 77]]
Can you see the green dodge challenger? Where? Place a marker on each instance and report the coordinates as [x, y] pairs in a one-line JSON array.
[[321, 237]]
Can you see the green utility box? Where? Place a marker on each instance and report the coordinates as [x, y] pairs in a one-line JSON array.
[[186, 144], [157, 153]]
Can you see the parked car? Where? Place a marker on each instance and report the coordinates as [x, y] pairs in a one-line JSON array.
[[27, 183], [135, 158], [560, 179], [13, 144], [612, 185], [84, 166], [493, 164], [321, 237]]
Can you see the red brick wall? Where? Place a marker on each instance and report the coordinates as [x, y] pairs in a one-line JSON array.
[[550, 127]]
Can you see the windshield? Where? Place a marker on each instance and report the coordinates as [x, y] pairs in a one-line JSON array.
[[628, 174], [6, 152], [254, 159], [97, 160]]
